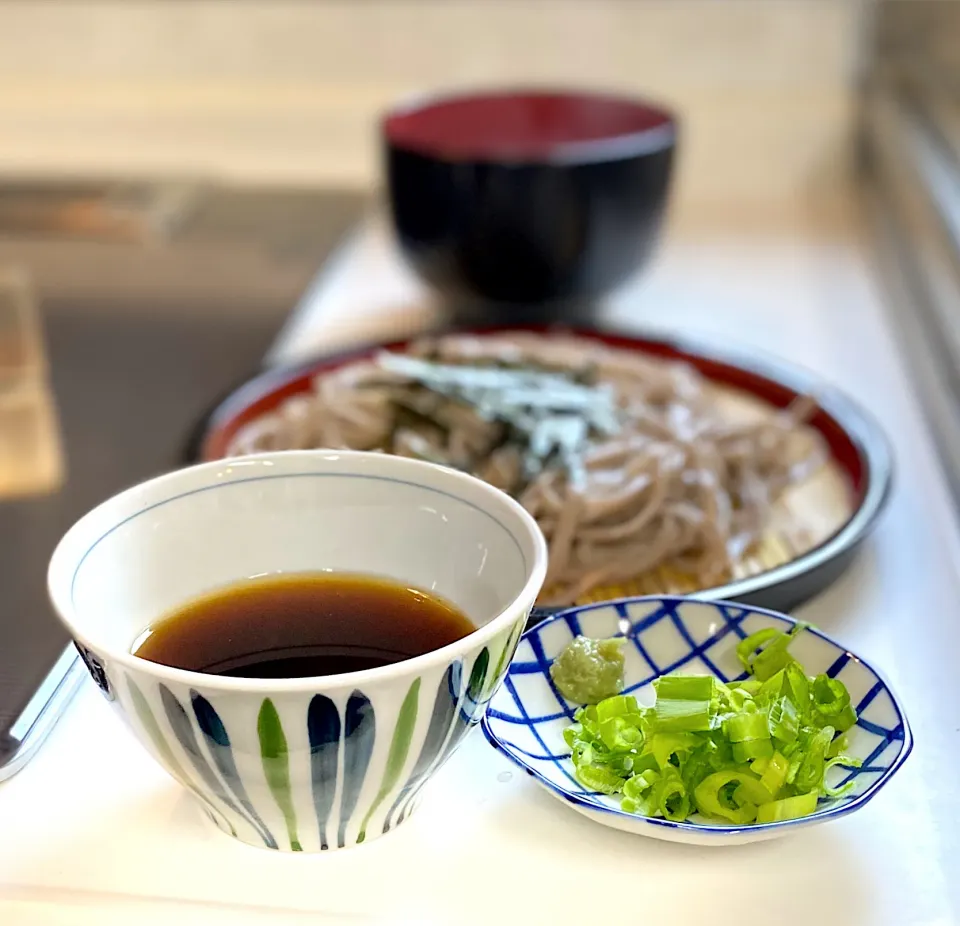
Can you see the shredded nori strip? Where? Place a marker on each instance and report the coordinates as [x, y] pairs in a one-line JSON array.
[[551, 415]]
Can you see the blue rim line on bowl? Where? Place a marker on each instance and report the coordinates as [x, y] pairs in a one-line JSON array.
[[60, 569], [570, 616]]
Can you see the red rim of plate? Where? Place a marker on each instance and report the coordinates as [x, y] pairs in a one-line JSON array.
[[857, 443]]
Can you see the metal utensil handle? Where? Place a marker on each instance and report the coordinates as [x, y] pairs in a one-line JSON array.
[[541, 614]]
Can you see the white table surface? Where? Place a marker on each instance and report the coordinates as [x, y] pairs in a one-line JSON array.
[[92, 832]]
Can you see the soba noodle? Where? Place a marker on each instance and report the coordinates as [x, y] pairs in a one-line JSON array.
[[635, 463]]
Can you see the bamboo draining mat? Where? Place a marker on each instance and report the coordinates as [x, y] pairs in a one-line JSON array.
[[806, 516]]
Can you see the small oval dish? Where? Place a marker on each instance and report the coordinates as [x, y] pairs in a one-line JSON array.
[[527, 716]]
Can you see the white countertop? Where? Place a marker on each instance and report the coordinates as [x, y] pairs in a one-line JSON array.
[[92, 832]]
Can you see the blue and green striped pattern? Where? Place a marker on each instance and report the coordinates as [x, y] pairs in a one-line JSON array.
[[309, 773]]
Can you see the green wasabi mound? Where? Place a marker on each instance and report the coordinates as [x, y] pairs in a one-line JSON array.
[[588, 671]]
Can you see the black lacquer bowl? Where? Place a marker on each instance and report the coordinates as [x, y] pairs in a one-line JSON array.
[[528, 197]]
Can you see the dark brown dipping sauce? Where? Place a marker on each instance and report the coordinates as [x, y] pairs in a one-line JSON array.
[[297, 626]]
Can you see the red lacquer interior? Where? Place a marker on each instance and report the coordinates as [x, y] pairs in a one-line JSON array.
[[265, 393], [512, 125]]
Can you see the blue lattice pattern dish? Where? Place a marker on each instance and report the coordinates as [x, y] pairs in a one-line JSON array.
[[527, 716]]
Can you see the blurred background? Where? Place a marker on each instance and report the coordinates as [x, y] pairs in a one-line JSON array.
[[174, 175], [167, 158], [231, 119]]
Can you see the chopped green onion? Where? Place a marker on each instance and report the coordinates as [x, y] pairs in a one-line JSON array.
[[748, 646], [843, 762], [831, 700], [788, 808], [684, 703], [746, 726], [672, 799], [732, 699], [747, 732], [755, 750], [638, 784], [572, 734], [764, 653], [752, 749], [838, 746], [618, 734], [783, 721], [759, 766], [774, 774], [599, 779], [638, 794], [710, 756], [798, 688], [617, 706], [671, 748], [714, 798], [749, 686], [810, 771]]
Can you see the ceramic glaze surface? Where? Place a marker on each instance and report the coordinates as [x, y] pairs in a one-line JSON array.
[[315, 763], [527, 717]]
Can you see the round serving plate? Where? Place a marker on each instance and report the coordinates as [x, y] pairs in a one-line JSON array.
[[816, 527]]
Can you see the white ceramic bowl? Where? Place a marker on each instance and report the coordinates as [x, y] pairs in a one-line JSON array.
[[313, 763], [668, 634]]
